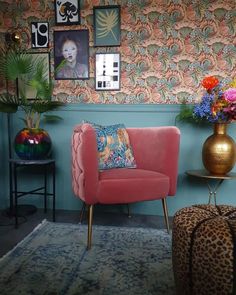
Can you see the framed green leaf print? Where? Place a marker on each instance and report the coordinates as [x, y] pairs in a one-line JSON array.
[[106, 25]]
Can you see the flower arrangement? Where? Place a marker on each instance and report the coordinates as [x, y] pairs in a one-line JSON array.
[[218, 104]]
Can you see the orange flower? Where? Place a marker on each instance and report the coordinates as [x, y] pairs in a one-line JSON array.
[[210, 82], [218, 106]]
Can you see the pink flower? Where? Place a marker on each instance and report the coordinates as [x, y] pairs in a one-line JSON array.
[[231, 112], [230, 94]]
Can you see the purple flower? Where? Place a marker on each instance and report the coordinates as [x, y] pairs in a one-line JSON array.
[[218, 104], [230, 94]]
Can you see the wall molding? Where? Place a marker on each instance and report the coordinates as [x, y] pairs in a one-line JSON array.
[[131, 108]]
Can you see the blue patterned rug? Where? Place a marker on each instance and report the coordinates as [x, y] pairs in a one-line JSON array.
[[53, 260]]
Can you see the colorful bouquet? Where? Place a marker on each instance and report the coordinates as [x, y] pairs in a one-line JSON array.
[[218, 104]]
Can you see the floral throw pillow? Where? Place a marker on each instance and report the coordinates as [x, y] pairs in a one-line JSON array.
[[114, 149]]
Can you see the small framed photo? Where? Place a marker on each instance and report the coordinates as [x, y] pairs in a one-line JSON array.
[[39, 34], [23, 86], [107, 71], [106, 21], [67, 12], [71, 54]]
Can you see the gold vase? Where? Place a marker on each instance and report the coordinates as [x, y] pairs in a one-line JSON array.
[[219, 151]]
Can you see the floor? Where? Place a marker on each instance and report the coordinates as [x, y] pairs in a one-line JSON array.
[[9, 236]]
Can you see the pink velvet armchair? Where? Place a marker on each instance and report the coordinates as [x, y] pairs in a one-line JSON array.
[[156, 152]]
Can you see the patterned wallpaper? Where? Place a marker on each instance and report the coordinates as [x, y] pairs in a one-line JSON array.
[[167, 47]]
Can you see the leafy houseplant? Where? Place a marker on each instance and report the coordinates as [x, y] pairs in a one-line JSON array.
[[19, 66]]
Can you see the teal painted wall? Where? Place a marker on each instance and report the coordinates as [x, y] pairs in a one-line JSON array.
[[167, 48], [190, 191]]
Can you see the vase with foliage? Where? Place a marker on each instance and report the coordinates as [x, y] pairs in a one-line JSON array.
[[17, 65], [217, 106]]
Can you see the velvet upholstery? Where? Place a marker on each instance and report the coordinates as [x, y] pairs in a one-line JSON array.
[[156, 151]]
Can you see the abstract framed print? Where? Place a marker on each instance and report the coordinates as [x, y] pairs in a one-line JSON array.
[[106, 21], [39, 34], [23, 86], [107, 71], [67, 12], [71, 54]]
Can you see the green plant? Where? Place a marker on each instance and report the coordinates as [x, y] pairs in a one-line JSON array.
[[17, 65], [186, 114]]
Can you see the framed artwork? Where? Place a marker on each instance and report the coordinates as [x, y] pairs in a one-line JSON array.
[[107, 71], [71, 54], [23, 86], [39, 34], [106, 21], [67, 12]]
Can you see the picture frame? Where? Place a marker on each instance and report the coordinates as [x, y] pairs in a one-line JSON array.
[[71, 54], [39, 35], [29, 91], [67, 12], [106, 20], [107, 71]]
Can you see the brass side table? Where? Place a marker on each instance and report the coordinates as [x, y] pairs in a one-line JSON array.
[[207, 176]]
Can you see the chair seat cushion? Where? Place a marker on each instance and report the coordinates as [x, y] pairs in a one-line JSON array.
[[124, 185]]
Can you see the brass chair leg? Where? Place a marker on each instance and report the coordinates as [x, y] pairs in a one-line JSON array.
[[90, 223], [82, 213], [164, 205], [128, 208]]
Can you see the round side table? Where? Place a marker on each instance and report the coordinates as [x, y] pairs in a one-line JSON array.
[[208, 177]]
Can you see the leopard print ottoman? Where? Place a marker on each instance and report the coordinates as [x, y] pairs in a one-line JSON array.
[[204, 250]]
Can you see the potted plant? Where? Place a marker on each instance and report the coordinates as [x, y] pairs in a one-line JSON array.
[[18, 66]]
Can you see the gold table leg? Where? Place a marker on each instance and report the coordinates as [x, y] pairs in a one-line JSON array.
[[213, 190]]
